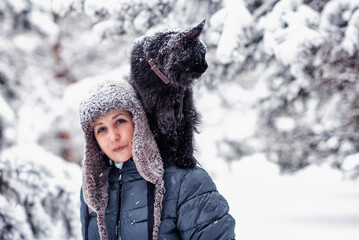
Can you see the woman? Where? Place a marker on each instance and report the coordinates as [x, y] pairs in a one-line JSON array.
[[128, 192]]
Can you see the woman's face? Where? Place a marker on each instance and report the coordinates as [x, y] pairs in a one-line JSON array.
[[114, 134]]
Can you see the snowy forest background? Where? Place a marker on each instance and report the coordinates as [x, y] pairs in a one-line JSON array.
[[280, 100]]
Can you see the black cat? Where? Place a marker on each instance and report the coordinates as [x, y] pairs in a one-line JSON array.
[[163, 69]]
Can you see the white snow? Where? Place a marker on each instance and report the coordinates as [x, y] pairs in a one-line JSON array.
[[18, 5], [63, 7], [351, 162], [285, 123], [27, 42], [6, 112], [315, 203], [43, 21], [218, 19], [43, 5], [141, 21], [331, 10], [289, 31], [106, 28], [351, 39], [237, 13]]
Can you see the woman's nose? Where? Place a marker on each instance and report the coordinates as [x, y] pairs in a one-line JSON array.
[[114, 136]]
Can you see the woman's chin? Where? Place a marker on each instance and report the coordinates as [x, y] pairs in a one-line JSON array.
[[121, 159]]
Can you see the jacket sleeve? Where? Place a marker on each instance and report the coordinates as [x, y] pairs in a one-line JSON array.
[[202, 211]]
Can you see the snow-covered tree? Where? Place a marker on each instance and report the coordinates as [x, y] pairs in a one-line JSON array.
[[39, 192], [300, 61], [38, 195]]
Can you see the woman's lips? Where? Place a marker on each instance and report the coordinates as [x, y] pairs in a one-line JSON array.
[[118, 149]]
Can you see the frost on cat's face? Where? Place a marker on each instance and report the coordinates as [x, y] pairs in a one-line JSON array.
[[179, 55], [182, 56], [193, 33]]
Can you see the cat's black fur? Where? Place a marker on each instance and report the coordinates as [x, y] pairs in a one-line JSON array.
[[180, 56]]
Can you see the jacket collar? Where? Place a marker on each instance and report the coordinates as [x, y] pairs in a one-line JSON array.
[[128, 167]]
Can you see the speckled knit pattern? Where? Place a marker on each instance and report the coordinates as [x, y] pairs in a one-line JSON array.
[[103, 98]]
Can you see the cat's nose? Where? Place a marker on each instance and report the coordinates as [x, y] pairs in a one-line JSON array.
[[203, 67]]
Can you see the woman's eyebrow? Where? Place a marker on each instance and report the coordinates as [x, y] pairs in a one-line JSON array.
[[96, 124], [125, 114]]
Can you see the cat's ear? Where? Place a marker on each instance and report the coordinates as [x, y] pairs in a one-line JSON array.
[[193, 33]]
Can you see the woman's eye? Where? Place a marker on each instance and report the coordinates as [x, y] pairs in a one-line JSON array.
[[119, 121], [100, 130]]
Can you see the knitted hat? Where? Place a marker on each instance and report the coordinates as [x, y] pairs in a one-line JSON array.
[[103, 98]]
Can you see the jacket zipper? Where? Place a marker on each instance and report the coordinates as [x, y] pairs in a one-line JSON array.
[[118, 230]]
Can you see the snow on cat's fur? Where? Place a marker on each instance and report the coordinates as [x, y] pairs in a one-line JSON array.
[[180, 56]]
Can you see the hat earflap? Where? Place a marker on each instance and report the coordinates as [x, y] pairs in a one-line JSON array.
[[95, 182], [149, 164]]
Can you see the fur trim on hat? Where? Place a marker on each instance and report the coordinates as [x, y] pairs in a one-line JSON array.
[[103, 98]]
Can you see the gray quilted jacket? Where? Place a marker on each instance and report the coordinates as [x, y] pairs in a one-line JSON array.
[[192, 207]]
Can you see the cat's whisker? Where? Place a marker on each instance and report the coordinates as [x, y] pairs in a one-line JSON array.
[[205, 80]]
